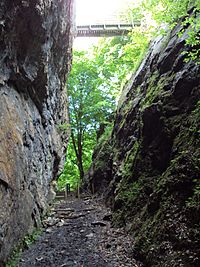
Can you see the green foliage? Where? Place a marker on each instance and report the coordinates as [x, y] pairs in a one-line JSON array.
[[70, 173], [91, 102], [26, 242], [170, 12], [93, 86], [15, 258], [30, 239], [119, 57]]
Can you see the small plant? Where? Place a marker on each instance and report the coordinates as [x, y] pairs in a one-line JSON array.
[[15, 257], [26, 242], [30, 239]]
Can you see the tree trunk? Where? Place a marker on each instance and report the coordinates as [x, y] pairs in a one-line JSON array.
[[78, 152]]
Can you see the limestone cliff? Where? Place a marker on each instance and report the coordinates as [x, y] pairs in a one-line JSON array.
[[35, 51], [149, 167]]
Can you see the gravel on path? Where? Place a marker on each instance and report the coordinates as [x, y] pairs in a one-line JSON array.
[[78, 233]]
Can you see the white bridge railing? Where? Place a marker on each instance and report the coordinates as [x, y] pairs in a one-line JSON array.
[[106, 29]]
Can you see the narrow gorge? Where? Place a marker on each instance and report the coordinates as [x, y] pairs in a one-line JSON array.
[[140, 197]]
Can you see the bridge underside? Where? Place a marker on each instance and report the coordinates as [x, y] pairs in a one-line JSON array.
[[101, 33], [103, 30]]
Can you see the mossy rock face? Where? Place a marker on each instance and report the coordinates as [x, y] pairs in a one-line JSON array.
[[152, 165], [100, 173]]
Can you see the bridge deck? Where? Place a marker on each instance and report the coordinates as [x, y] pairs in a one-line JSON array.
[[101, 30]]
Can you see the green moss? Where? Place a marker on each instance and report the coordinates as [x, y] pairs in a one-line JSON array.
[[187, 157], [103, 150], [15, 258], [194, 201], [124, 111], [132, 191], [151, 92], [105, 137], [127, 166], [154, 89], [103, 155], [195, 118], [171, 190], [128, 192]]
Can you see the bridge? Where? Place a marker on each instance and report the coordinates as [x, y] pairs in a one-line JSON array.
[[104, 30], [114, 23]]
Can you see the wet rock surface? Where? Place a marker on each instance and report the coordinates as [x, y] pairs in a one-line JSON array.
[[35, 51], [77, 236]]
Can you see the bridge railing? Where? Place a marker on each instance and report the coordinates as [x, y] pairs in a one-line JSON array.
[[113, 28]]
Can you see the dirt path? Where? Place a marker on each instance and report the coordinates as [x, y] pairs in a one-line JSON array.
[[77, 236]]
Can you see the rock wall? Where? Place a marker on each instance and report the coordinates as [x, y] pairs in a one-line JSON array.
[[35, 54], [149, 167]]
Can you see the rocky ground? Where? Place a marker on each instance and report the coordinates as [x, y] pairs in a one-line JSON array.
[[78, 233]]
